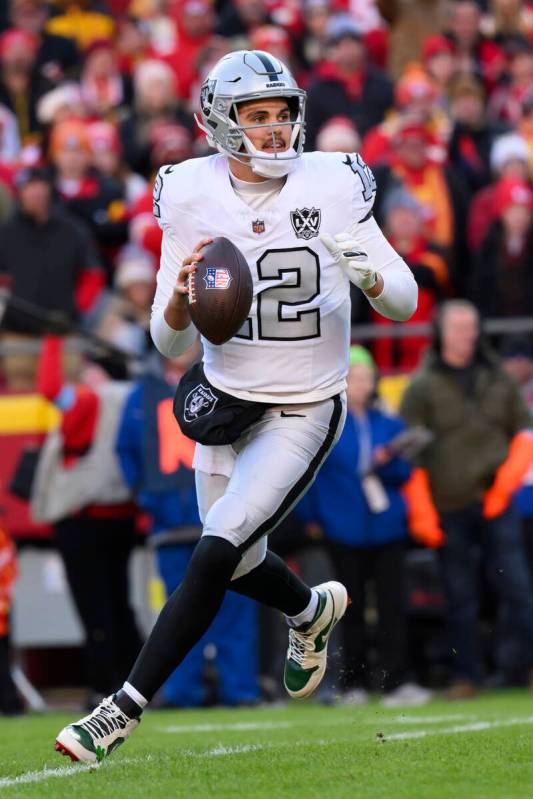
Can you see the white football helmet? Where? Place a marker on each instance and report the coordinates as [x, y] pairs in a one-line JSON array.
[[250, 75]]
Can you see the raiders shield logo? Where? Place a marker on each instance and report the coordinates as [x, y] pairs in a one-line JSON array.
[[306, 222], [199, 402], [206, 96]]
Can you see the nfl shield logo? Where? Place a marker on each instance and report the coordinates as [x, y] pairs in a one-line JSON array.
[[258, 226], [217, 277], [306, 222]]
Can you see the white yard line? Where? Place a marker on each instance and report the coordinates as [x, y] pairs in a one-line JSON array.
[[477, 726], [409, 719], [243, 726], [233, 750], [54, 773]]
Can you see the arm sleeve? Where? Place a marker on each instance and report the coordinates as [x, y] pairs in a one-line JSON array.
[[399, 297], [168, 341]]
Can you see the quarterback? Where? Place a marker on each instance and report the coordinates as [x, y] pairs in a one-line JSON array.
[[304, 224]]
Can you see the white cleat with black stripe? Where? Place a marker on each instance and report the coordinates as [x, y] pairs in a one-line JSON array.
[[94, 737]]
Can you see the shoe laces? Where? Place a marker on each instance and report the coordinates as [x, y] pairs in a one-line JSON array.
[[106, 719], [299, 646]]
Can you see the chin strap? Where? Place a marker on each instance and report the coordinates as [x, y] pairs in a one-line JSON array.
[[272, 167]]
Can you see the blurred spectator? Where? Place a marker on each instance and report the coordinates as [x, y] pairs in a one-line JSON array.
[[506, 20], [103, 88], [156, 460], [525, 126], [472, 135], [60, 103], [79, 489], [345, 84], [415, 100], [96, 199], [9, 136], [338, 135], [47, 256], [509, 158], [316, 17], [155, 101], [474, 52], [132, 43], [356, 500], [440, 191], [517, 356], [124, 320], [240, 18], [404, 228], [57, 56], [196, 25], [81, 21], [106, 150], [410, 24], [505, 104], [439, 62], [502, 278], [480, 452], [276, 41], [10, 704], [21, 86]]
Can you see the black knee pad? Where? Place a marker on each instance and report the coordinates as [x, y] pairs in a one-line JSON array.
[[213, 561]]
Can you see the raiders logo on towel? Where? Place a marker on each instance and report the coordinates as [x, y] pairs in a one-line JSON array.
[[199, 402]]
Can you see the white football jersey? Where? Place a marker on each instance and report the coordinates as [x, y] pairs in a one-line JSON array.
[[294, 345]]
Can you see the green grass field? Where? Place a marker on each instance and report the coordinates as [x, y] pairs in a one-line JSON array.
[[480, 750]]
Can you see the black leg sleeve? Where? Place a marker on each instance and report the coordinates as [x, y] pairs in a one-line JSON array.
[[187, 614], [272, 583]]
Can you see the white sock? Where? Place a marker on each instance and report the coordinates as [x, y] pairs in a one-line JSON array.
[[135, 695], [307, 614]]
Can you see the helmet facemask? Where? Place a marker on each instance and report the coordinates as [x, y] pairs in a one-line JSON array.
[[225, 131]]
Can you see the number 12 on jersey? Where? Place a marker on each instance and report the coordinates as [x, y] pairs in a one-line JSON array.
[[279, 313]]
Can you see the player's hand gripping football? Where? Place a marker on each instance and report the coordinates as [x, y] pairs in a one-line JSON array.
[[177, 310], [354, 261]]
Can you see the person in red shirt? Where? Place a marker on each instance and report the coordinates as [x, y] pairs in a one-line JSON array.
[[96, 540], [10, 704], [404, 228], [346, 84]]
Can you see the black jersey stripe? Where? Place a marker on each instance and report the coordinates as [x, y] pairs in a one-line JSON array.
[[268, 65], [301, 486]]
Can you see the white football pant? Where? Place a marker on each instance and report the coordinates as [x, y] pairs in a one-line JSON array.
[[245, 489]]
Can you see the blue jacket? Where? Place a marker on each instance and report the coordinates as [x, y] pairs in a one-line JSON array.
[[170, 504], [336, 500]]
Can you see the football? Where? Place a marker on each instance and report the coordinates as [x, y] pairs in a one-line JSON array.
[[220, 291]]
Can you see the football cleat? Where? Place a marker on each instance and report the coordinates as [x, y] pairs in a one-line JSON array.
[[94, 737], [308, 645]]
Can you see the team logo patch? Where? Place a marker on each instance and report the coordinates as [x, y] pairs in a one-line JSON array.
[[206, 96], [306, 222], [217, 277], [258, 226], [199, 402]]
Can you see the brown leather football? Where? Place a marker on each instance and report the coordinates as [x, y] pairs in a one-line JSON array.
[[220, 291]]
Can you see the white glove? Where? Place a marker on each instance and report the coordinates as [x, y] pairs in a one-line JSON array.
[[351, 259]]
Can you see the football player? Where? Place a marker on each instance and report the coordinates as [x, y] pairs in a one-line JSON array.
[[304, 223]]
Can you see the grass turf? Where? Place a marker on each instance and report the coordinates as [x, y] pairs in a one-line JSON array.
[[302, 750]]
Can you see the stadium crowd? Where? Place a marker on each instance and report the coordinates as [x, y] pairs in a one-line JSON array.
[[437, 96]]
